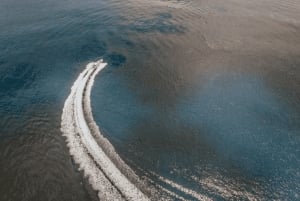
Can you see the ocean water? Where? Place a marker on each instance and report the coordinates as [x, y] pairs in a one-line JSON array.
[[199, 98]]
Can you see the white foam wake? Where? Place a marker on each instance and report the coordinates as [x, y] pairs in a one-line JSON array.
[[107, 173]]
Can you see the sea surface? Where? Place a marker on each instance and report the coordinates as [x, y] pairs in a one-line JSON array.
[[200, 98]]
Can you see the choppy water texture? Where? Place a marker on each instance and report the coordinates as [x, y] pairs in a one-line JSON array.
[[200, 99]]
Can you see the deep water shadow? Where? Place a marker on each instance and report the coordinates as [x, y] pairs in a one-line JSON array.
[[161, 22]]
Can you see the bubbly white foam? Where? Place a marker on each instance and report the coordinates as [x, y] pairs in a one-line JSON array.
[[104, 175], [107, 172]]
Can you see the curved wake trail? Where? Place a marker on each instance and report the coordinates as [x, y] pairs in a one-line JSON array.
[[87, 149], [107, 172]]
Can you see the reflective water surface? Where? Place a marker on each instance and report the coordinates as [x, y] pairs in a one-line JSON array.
[[205, 94]]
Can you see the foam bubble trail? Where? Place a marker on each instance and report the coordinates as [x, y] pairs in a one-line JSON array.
[[107, 173], [166, 194], [182, 188]]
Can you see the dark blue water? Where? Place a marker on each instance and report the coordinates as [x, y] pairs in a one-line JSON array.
[[204, 93]]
